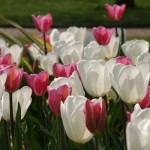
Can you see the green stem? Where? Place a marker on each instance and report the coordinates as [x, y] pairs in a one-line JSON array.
[[11, 119], [116, 29], [122, 36], [42, 118], [61, 135], [107, 140], [6, 137], [123, 120], [96, 142], [45, 49]]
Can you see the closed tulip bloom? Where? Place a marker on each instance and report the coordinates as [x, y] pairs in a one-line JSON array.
[[102, 35], [73, 119], [47, 61], [5, 60], [37, 82], [145, 103], [1, 109], [144, 57], [94, 76], [115, 12], [96, 115], [14, 79], [60, 70], [42, 23], [21, 96], [130, 82], [73, 81], [56, 96], [3, 77], [135, 47], [137, 130]]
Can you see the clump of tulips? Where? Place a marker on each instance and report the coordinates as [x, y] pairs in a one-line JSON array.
[[76, 89]]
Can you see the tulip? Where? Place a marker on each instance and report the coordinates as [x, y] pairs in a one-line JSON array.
[[111, 50], [145, 103], [22, 96], [5, 60], [34, 50], [15, 51], [71, 53], [138, 129], [115, 12], [3, 77], [60, 70], [102, 35], [3, 43], [73, 81], [14, 78], [37, 82], [56, 96], [73, 119], [42, 23], [130, 82], [47, 61], [135, 47], [96, 115], [94, 51], [94, 76]]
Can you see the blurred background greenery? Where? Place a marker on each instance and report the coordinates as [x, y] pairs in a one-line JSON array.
[[73, 12]]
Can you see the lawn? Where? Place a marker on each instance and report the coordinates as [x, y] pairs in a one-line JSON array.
[[73, 12]]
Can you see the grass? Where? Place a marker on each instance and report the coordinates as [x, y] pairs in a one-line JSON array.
[[73, 12]]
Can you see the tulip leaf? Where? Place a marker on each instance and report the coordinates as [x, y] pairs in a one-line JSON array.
[[23, 31], [18, 133], [10, 38], [27, 64]]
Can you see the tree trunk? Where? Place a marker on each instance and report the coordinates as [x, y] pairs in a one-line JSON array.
[[129, 3]]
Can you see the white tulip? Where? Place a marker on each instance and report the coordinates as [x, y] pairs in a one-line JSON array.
[[34, 51], [138, 129], [94, 76], [65, 36], [79, 33], [134, 48], [47, 61], [73, 81], [73, 119], [22, 96], [3, 77], [130, 82], [93, 51], [71, 53], [111, 50], [15, 51]]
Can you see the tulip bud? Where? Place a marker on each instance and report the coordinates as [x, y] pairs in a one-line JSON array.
[[60, 70], [56, 96], [42, 23], [37, 82], [102, 35], [14, 78], [96, 116], [115, 12]]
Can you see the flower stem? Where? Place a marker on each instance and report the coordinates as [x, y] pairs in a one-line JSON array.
[[107, 140], [61, 135], [116, 29], [123, 120], [45, 49], [11, 119], [96, 142]]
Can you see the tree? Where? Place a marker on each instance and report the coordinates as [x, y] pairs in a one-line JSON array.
[[129, 3]]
